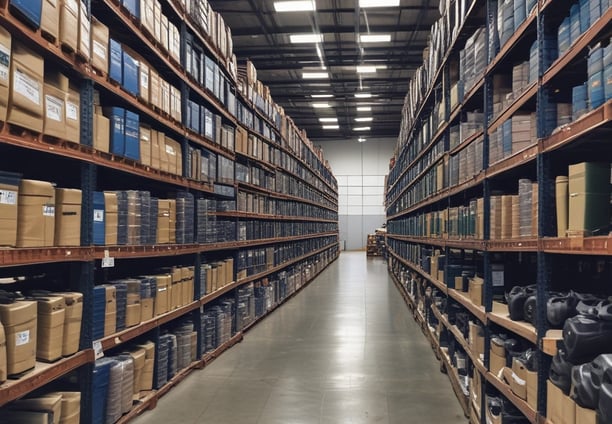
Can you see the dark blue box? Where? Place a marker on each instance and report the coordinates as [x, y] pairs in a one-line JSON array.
[[193, 117], [595, 10], [595, 62], [133, 6], [608, 72], [579, 100], [585, 15], [31, 10], [115, 67], [116, 116], [564, 36], [99, 219], [132, 135], [130, 74], [520, 13], [100, 382], [574, 23], [99, 311], [209, 74], [596, 90]]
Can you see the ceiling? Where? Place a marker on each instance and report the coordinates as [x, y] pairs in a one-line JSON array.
[[263, 35]]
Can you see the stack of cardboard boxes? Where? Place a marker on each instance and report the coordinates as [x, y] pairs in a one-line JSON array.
[[219, 274]]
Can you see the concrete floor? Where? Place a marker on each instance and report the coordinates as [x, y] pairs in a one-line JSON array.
[[344, 350]]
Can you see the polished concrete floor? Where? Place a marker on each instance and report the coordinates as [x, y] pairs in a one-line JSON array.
[[344, 350]]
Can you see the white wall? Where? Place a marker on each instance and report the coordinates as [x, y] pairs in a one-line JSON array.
[[360, 169]]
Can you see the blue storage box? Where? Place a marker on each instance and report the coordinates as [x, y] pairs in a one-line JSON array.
[[607, 79], [595, 62], [564, 39], [193, 116], [116, 116], [133, 6], [595, 10], [585, 15], [99, 311], [209, 74], [100, 382], [574, 23], [132, 135], [520, 13], [596, 90], [579, 100], [122, 219], [130, 74], [99, 219], [121, 291], [30, 10], [115, 66], [530, 5]]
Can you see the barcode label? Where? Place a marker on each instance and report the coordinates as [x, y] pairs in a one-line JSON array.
[[8, 197], [27, 87], [54, 108]]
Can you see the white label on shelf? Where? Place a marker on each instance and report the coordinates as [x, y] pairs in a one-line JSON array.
[[72, 111], [8, 197], [54, 108], [27, 87], [72, 6], [22, 338], [99, 49], [108, 262], [48, 210], [170, 150], [98, 215], [98, 351], [5, 62]]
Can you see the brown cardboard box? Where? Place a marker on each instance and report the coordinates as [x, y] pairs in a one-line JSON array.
[[20, 325], [171, 152], [568, 410], [477, 339], [70, 407], [155, 158], [50, 403], [67, 217], [111, 224], [585, 416], [69, 24], [110, 313], [534, 209], [145, 145], [9, 195], [73, 115], [172, 223], [138, 356], [36, 214], [164, 284], [132, 316], [154, 87], [176, 295], [163, 221], [49, 18], [164, 90], [158, 19], [516, 225], [25, 106], [2, 354], [146, 380], [164, 164], [506, 217], [147, 15], [144, 80], [147, 309], [434, 265], [532, 389], [51, 318], [149, 348], [54, 122], [496, 363], [5, 71], [72, 321], [175, 104], [475, 290], [517, 383], [99, 45], [476, 388], [84, 31], [164, 32], [101, 132], [554, 403]]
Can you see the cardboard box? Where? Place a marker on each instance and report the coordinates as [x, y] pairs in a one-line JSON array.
[[496, 363], [146, 380], [155, 154], [50, 404], [144, 80], [477, 339], [110, 313], [20, 325], [54, 122], [99, 45], [67, 217], [138, 356], [132, 316], [5, 71], [9, 195], [72, 321], [589, 198], [145, 145], [51, 318], [112, 218], [25, 106], [70, 407], [177, 294], [84, 32], [164, 284], [154, 88], [532, 389], [147, 309], [163, 221], [36, 214], [2, 354], [49, 18], [476, 290], [585, 416], [172, 223], [69, 24], [518, 384], [101, 131], [73, 115], [147, 15], [554, 403], [164, 90]]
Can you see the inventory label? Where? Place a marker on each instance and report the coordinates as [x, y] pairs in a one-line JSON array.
[[98, 215], [48, 210], [72, 111], [22, 338], [8, 197], [99, 49], [27, 87], [54, 108], [5, 62]]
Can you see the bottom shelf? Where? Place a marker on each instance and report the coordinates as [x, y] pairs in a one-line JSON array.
[[453, 376]]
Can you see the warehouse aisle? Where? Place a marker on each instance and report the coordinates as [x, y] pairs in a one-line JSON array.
[[344, 350]]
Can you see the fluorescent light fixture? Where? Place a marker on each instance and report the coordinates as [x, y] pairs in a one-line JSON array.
[[306, 38], [331, 127], [378, 3], [364, 109], [328, 119], [321, 96], [363, 95], [295, 6], [374, 38], [368, 119], [315, 75], [361, 129], [366, 69], [361, 139], [321, 105]]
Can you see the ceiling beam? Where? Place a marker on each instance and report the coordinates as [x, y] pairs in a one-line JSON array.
[[325, 29]]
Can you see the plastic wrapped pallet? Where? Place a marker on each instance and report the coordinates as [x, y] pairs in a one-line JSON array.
[[100, 384], [127, 382], [115, 387], [525, 191], [172, 356], [161, 365]]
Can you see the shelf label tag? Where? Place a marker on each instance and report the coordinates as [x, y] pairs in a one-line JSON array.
[[108, 262], [98, 351]]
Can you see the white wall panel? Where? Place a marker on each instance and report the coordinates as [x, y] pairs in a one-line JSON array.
[[375, 190], [355, 191]]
